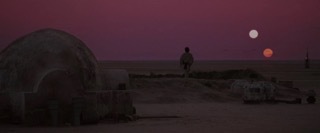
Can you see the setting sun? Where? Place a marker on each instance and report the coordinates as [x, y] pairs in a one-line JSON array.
[[268, 52]]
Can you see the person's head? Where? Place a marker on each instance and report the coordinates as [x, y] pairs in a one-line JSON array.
[[186, 49]]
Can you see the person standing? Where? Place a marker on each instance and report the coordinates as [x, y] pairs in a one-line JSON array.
[[186, 60]]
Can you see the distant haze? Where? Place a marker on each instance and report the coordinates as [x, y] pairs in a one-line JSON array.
[[160, 29]]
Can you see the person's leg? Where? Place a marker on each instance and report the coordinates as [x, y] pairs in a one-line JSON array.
[[185, 66], [187, 70]]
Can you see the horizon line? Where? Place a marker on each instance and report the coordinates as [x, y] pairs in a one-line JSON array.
[[212, 60]]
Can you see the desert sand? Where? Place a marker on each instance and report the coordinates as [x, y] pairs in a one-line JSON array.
[[204, 118], [203, 109]]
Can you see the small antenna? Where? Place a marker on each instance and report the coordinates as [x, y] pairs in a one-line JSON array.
[[307, 63]]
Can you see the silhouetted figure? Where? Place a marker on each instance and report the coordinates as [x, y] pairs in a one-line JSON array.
[[186, 60]]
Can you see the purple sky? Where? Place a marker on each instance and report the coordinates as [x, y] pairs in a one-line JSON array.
[[160, 29]]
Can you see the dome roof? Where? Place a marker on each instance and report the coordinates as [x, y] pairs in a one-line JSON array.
[[27, 60]]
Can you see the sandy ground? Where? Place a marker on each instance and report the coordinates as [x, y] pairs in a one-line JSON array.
[[198, 116], [204, 117]]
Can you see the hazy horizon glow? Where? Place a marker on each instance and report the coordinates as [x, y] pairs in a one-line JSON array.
[[160, 29]]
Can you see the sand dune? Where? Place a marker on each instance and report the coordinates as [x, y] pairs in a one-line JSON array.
[[178, 90]]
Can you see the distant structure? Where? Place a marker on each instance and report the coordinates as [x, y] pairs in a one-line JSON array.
[[307, 62], [266, 89], [51, 77]]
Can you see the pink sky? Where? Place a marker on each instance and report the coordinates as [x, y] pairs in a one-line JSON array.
[[160, 29]]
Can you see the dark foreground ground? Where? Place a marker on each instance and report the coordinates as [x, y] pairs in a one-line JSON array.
[[218, 114], [232, 117]]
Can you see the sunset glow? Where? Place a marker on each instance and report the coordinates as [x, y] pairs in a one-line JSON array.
[[160, 29]]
